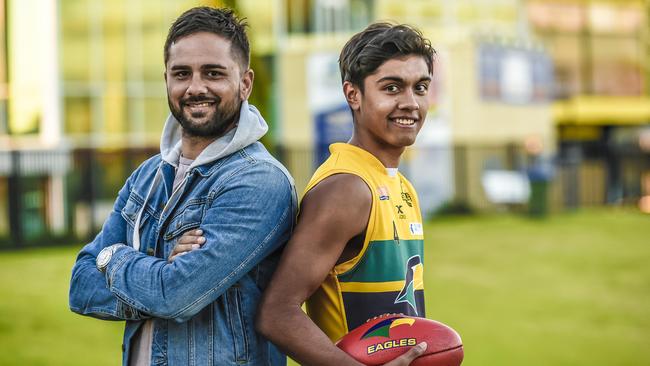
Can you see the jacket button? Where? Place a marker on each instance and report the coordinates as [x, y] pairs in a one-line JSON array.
[[128, 314]]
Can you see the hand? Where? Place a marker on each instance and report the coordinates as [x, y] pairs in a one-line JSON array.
[[409, 356], [189, 241]]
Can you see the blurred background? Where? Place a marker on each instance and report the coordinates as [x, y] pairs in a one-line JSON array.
[[540, 108], [538, 105]]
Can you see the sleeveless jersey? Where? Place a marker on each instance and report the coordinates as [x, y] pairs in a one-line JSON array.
[[387, 275]]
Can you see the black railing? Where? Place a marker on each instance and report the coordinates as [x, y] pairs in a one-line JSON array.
[[49, 197]]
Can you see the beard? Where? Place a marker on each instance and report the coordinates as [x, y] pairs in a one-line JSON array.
[[216, 125]]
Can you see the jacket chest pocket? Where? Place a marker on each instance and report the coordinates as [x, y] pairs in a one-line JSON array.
[[130, 215], [187, 218]]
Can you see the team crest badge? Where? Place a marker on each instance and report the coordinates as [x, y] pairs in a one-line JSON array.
[[412, 281], [406, 197]]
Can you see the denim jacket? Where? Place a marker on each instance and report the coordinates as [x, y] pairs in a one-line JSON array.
[[203, 304]]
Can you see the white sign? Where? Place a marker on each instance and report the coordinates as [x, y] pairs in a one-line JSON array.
[[505, 186]]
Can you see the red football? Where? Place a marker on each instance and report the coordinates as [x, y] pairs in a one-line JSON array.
[[386, 337]]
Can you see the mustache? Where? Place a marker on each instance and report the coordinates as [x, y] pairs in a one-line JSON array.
[[199, 99]]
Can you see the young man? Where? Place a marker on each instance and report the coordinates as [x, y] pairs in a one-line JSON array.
[[357, 250], [213, 180]]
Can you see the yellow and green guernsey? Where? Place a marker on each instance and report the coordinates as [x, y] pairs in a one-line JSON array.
[[387, 275]]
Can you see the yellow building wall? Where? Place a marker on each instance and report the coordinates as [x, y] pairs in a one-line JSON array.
[[26, 71], [297, 131], [296, 117], [476, 121]]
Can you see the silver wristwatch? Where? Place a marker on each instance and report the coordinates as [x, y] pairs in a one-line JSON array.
[[105, 256]]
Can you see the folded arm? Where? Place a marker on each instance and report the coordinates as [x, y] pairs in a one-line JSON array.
[[245, 223], [89, 294]]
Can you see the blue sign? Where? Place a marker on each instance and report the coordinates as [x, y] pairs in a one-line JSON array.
[[332, 125]]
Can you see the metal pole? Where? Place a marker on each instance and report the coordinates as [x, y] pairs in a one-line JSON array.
[[15, 201]]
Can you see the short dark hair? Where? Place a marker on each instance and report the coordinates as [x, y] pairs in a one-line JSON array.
[[367, 50], [222, 22]]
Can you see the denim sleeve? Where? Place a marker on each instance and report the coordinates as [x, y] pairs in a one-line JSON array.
[[249, 219], [89, 294]]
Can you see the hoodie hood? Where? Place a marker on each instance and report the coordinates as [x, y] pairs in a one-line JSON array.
[[250, 128]]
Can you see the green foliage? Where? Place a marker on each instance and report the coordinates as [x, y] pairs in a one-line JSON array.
[[571, 290]]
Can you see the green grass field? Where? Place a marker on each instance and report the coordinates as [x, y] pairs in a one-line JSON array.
[[573, 289]]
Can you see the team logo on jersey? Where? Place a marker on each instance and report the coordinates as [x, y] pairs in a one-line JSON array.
[[382, 329], [413, 279], [406, 197], [416, 228], [383, 193]]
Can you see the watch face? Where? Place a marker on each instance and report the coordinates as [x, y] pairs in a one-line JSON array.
[[103, 257]]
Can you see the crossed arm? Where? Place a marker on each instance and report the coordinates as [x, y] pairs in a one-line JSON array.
[[237, 238], [88, 292]]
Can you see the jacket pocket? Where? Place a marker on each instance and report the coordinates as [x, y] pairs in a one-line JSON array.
[[237, 323], [130, 215], [189, 217]]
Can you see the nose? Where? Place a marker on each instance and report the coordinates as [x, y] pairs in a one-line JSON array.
[[407, 101], [197, 85]]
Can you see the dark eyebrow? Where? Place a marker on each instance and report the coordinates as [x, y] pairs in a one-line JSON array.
[[213, 66], [390, 78], [179, 67], [400, 80], [203, 67]]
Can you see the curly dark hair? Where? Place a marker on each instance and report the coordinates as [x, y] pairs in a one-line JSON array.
[[222, 22], [378, 43]]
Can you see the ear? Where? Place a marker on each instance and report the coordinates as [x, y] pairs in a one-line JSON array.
[[246, 84], [352, 94]]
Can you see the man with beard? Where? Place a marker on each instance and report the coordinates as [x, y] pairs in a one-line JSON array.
[[194, 235]]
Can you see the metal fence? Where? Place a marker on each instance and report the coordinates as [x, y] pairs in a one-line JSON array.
[[63, 196]]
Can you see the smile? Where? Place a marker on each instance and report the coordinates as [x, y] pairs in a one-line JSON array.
[[198, 104], [404, 121], [204, 104]]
